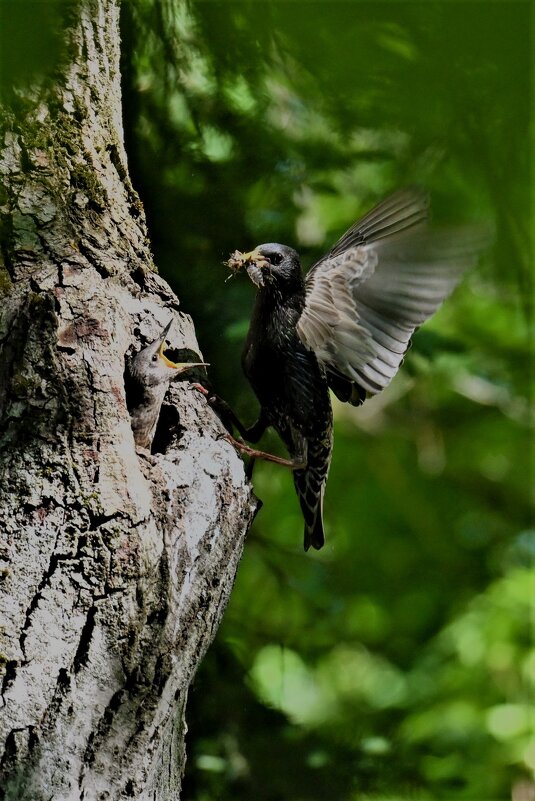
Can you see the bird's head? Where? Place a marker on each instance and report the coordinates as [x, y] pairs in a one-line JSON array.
[[153, 367], [269, 264]]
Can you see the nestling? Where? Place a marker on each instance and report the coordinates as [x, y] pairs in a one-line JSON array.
[[148, 376]]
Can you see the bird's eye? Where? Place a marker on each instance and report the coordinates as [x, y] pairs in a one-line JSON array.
[[275, 258], [155, 357]]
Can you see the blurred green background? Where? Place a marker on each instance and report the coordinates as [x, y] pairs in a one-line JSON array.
[[399, 662]]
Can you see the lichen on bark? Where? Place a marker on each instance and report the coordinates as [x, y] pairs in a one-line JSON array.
[[114, 568]]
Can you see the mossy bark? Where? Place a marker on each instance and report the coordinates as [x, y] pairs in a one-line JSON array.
[[114, 568]]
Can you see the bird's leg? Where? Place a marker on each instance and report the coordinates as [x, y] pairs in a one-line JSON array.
[[255, 432], [255, 454], [230, 419], [252, 434], [298, 462]]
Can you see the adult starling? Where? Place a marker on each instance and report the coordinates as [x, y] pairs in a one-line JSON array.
[[148, 376], [345, 326]]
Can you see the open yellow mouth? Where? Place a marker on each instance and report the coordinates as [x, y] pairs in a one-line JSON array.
[[180, 366], [165, 360]]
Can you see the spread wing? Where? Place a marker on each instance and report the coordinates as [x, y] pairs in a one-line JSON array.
[[380, 281]]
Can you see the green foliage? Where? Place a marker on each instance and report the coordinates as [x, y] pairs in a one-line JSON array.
[[30, 41], [398, 662]]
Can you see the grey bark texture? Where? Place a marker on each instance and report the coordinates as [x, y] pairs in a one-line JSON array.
[[114, 568]]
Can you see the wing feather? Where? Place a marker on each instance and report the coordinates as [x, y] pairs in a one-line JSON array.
[[385, 276], [401, 211]]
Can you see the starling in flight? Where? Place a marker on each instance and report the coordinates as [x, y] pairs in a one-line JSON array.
[[345, 326], [148, 377]]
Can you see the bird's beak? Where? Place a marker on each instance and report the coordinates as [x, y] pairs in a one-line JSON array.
[[166, 330], [238, 259], [256, 259], [253, 255], [255, 264], [161, 349], [180, 367]]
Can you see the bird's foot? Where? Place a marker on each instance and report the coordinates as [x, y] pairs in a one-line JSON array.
[[199, 388], [217, 403], [256, 454]]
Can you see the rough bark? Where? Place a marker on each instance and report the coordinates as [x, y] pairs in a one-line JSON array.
[[114, 569]]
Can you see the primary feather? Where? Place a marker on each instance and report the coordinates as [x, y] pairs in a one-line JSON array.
[[364, 299]]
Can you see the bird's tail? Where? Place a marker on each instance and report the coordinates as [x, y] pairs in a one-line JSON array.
[[310, 487], [314, 534]]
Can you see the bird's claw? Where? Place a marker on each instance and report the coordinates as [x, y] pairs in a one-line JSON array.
[[199, 388], [256, 454]]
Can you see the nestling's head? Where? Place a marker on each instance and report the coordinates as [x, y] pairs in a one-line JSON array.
[[270, 264], [152, 367]]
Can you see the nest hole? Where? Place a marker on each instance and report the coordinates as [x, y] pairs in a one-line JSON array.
[[168, 428]]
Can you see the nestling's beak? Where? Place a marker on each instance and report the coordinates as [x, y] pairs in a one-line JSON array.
[[180, 367]]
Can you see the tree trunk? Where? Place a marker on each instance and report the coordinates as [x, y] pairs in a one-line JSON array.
[[114, 568]]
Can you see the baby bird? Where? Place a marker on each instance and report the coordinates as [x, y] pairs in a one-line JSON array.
[[148, 376]]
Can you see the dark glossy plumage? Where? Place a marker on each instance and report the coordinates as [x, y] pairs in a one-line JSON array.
[[291, 386], [346, 326]]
